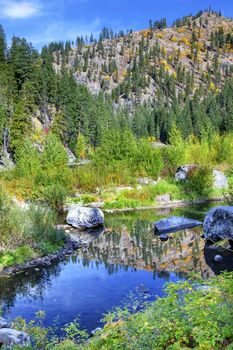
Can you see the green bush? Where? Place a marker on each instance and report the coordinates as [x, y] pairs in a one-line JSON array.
[[199, 183], [147, 160]]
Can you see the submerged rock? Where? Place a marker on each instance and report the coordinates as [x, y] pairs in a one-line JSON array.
[[96, 330], [11, 337], [83, 217], [163, 237], [175, 223], [218, 258], [218, 223]]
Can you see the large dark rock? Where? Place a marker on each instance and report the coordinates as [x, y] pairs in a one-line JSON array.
[[11, 337], [175, 223], [218, 223], [83, 217]]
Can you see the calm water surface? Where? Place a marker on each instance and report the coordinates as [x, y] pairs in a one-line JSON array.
[[125, 262]]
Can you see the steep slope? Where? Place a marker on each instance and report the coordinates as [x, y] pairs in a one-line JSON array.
[[141, 66]]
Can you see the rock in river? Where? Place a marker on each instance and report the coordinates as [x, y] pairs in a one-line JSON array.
[[10, 337], [218, 223], [83, 217], [175, 223]]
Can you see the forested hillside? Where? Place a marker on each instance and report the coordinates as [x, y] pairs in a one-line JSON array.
[[143, 81]]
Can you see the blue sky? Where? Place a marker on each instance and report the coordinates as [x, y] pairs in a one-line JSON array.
[[43, 21]]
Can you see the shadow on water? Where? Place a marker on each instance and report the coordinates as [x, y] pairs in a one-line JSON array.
[[125, 257]]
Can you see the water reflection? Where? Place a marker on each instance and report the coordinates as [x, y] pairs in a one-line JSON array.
[[113, 262]]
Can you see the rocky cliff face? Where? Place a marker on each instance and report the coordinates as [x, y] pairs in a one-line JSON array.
[[137, 66]]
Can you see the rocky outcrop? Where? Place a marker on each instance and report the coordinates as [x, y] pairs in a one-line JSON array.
[[175, 223], [11, 337], [218, 223], [83, 217]]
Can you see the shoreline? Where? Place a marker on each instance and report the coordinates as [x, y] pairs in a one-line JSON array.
[[165, 205], [44, 261], [71, 245]]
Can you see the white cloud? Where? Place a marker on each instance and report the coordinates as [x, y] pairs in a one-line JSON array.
[[61, 30], [19, 9]]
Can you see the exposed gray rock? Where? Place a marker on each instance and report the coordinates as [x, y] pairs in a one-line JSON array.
[[3, 323], [6, 163], [10, 337], [182, 172], [163, 198], [175, 223], [158, 145], [71, 157], [82, 162], [83, 217], [220, 179], [218, 223], [143, 181]]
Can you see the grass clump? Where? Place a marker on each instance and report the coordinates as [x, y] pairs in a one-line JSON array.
[[26, 232]]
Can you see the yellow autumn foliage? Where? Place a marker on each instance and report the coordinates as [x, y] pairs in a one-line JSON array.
[[174, 39], [159, 35], [185, 41]]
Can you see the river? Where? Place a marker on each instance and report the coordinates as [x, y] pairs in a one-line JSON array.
[[124, 265]]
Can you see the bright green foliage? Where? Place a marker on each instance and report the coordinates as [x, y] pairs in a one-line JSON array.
[[116, 146], [147, 160], [80, 147], [28, 160], [44, 175], [55, 172], [175, 154], [199, 183]]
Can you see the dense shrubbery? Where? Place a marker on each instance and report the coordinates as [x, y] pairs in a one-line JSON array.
[[119, 161], [193, 315]]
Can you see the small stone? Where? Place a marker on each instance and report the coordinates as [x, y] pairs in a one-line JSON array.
[[163, 237], [218, 258], [98, 329], [37, 269]]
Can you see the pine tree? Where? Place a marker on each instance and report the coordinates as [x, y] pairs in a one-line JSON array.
[[3, 45]]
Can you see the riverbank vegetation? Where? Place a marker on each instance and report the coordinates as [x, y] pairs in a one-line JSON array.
[[26, 233], [195, 314], [116, 167]]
